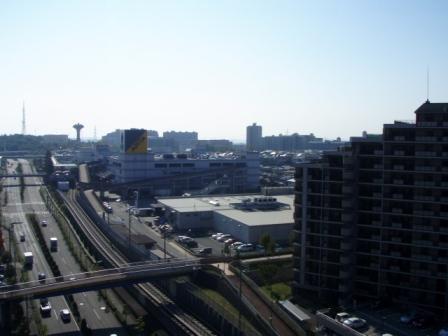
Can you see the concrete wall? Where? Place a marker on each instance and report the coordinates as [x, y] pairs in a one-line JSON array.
[[251, 234]]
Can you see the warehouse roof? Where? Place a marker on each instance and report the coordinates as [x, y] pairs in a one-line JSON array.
[[223, 206]]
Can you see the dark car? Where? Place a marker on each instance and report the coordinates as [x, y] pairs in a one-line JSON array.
[[423, 321]]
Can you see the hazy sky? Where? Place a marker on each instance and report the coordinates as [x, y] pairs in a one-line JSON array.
[[334, 68]]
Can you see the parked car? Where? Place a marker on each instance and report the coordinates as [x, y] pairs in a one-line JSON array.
[[223, 237], [216, 235], [65, 315], [236, 244], [443, 331], [191, 243], [354, 322], [342, 316], [260, 248], [423, 321], [407, 318], [22, 237], [229, 241], [43, 223], [245, 248], [205, 250], [180, 239]]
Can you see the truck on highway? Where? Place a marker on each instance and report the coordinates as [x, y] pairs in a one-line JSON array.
[[63, 185], [53, 244], [28, 258]]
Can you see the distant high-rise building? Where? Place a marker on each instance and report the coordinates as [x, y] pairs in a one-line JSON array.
[[254, 138], [183, 140], [371, 219]]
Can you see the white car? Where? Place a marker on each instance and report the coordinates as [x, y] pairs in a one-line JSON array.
[[65, 315], [217, 235], [45, 306], [44, 223], [245, 248], [354, 322], [236, 244], [223, 237]]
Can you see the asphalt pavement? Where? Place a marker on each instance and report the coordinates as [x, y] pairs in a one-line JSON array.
[[99, 319]]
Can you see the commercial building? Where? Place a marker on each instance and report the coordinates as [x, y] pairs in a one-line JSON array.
[[371, 219], [245, 217], [59, 139], [254, 137], [239, 173]]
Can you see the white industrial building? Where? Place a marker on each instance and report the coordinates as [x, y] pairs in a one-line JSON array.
[[245, 217]]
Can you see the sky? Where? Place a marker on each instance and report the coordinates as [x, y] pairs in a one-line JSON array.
[[332, 68]]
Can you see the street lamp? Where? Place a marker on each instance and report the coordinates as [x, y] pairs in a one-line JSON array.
[[129, 225], [240, 294]]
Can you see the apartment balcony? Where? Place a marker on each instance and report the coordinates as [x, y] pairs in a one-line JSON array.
[[345, 274], [425, 183], [423, 228], [397, 196], [399, 138], [377, 209], [344, 288], [443, 214], [375, 251], [427, 124], [397, 210], [424, 168], [422, 257], [377, 195], [346, 217], [347, 190], [346, 232], [423, 213], [378, 152], [423, 242], [376, 223], [443, 245], [396, 239], [396, 225], [399, 153], [425, 154], [443, 230], [425, 139], [398, 167], [346, 246], [398, 181], [347, 203], [378, 181], [346, 260], [395, 254]]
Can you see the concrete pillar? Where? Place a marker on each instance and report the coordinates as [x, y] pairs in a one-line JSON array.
[[5, 318]]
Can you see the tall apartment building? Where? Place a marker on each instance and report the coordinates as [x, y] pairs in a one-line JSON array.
[[371, 219], [254, 139]]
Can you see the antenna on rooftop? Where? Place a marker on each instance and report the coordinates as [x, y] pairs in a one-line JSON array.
[[427, 83], [23, 119]]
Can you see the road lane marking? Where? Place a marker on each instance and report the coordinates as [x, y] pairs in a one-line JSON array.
[[99, 318], [55, 314]]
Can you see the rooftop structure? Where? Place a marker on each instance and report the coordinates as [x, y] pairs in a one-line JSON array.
[[243, 216]]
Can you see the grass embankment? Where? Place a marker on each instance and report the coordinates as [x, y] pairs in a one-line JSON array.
[[282, 290]]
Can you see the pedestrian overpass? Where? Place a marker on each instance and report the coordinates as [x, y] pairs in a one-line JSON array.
[[127, 274]]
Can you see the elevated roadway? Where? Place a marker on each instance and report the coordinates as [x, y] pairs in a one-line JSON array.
[[82, 282]]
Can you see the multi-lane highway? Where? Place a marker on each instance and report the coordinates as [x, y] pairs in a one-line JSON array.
[[90, 308], [172, 317]]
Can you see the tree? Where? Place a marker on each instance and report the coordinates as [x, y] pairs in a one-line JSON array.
[[140, 326], [49, 168], [266, 242]]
